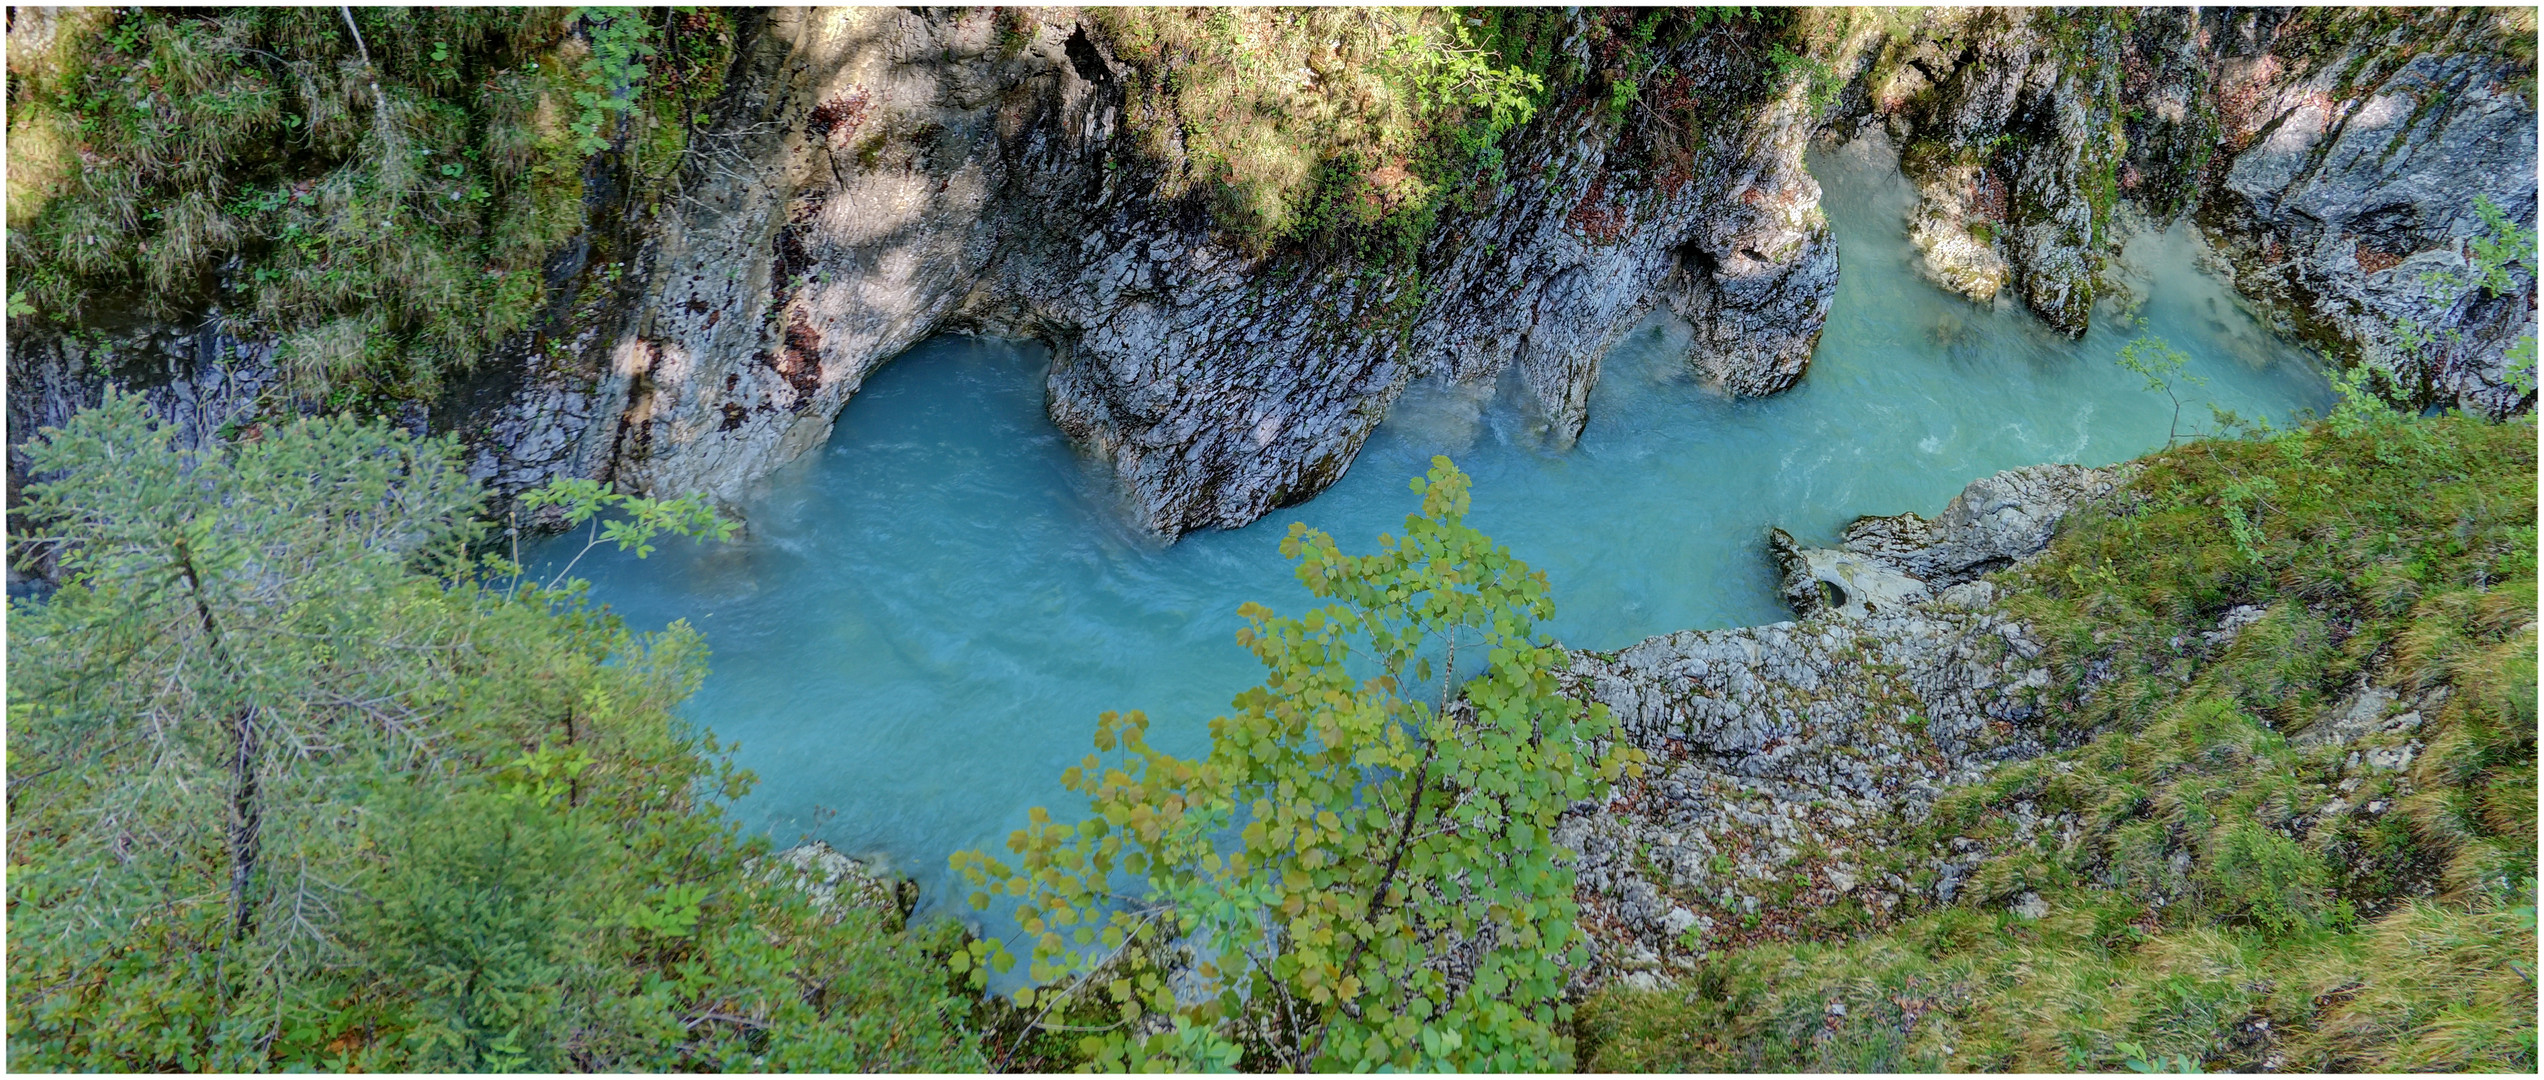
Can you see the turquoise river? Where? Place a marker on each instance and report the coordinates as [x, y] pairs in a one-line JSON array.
[[925, 617]]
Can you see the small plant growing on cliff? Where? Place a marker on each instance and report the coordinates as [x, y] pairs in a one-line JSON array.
[[2493, 259], [579, 502], [1370, 878], [1820, 82], [621, 41], [2162, 365]]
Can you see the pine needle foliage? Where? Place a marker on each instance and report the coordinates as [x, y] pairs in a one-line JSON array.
[[1369, 880], [295, 784]]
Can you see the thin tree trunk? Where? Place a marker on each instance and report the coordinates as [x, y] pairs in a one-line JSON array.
[[247, 822], [379, 101], [1378, 897], [247, 808]]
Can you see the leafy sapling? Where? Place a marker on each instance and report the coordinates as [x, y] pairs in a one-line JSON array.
[[2492, 260], [1369, 878], [580, 501], [2163, 366]]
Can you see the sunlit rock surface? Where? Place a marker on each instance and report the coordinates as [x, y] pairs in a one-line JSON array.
[[879, 175]]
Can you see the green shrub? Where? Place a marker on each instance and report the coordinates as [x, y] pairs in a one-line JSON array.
[[380, 206], [1371, 878], [2265, 877]]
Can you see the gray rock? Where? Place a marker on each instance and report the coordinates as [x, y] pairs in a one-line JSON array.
[[878, 175], [2353, 182], [1843, 581], [2337, 183], [2232, 623], [872, 176], [836, 882], [1994, 523], [1831, 734], [2005, 123]]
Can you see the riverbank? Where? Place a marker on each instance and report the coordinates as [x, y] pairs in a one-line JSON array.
[[2239, 771]]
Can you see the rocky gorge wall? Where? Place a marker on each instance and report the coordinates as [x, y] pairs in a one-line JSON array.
[[2334, 159], [893, 175], [869, 177]]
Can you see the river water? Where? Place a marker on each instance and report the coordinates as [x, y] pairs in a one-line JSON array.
[[927, 615]]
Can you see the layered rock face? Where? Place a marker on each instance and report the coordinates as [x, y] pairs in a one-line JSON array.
[[878, 176], [2006, 122], [873, 176], [2334, 160], [196, 383], [870, 177], [2350, 201]]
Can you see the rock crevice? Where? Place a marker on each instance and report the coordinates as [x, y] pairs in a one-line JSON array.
[[902, 174]]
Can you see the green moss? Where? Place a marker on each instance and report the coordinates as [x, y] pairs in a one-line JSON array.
[[1320, 128]]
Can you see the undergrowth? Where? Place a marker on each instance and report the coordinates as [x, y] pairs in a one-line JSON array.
[[1341, 128], [374, 188], [1348, 132], [2295, 828]]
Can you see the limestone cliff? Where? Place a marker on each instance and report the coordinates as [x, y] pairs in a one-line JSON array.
[[867, 177], [2335, 158], [879, 175], [2352, 190]]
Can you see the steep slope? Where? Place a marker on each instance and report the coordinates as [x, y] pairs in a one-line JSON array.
[[2240, 770]]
